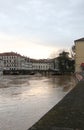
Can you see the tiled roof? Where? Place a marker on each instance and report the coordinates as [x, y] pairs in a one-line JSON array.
[[9, 54], [81, 39]]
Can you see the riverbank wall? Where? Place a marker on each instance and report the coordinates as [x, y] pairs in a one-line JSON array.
[[68, 114]]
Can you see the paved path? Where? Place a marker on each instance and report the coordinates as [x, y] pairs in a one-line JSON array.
[[68, 114]]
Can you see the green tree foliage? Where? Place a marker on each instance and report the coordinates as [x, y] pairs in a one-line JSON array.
[[66, 64]]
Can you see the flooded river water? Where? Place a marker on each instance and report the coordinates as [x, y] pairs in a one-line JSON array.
[[25, 99]]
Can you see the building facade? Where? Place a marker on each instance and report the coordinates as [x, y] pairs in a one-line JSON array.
[[1, 66], [42, 65], [56, 64], [13, 62], [79, 57], [26, 64]]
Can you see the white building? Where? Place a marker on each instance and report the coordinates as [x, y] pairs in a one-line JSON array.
[[42, 65], [14, 61], [26, 64], [56, 64], [11, 60], [1, 66]]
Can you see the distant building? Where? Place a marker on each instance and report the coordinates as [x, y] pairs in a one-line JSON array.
[[56, 64], [26, 64], [43, 64], [1, 66], [13, 61], [79, 57]]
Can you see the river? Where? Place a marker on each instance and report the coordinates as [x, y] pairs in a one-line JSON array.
[[25, 99]]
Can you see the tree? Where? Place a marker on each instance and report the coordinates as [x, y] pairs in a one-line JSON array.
[[65, 62], [73, 53]]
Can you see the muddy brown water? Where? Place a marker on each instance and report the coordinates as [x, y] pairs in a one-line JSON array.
[[25, 99]]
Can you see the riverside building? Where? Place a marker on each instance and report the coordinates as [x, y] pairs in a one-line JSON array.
[[11, 60], [42, 65], [79, 57], [14, 62], [1, 66]]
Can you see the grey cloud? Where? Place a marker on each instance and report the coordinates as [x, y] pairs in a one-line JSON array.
[[52, 21]]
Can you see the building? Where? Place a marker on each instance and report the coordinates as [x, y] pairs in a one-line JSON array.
[[42, 65], [11, 60], [15, 62], [26, 64], [79, 57], [1, 66], [56, 64]]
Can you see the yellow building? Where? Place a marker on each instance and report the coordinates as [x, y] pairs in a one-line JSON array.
[[79, 58]]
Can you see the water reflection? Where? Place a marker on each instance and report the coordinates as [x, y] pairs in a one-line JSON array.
[[25, 99]]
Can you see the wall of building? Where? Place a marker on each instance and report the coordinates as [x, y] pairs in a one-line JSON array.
[[11, 62], [79, 58], [14, 62], [41, 66], [1, 66], [26, 65]]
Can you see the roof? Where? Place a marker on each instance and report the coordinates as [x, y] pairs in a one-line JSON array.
[[9, 54], [41, 61], [81, 39]]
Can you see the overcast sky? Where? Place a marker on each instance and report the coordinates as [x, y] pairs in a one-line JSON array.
[[36, 28]]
